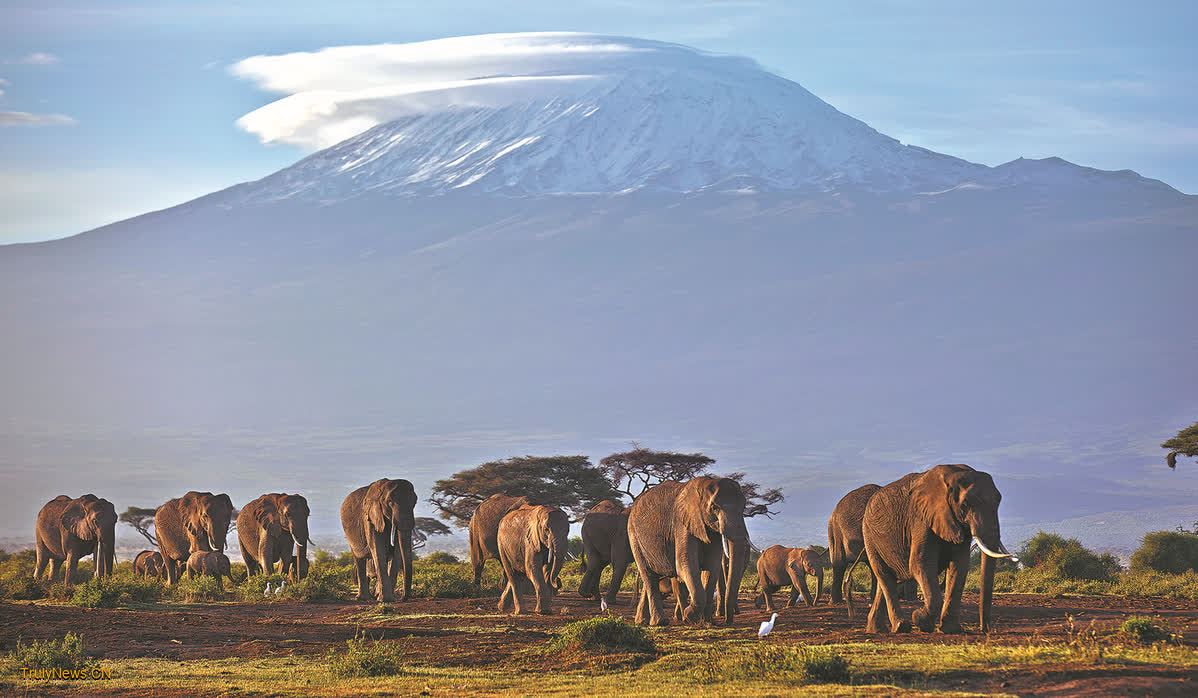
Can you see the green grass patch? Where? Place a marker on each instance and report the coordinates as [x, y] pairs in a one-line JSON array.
[[1147, 631], [115, 590], [199, 589], [66, 654], [364, 656], [603, 634], [795, 664]]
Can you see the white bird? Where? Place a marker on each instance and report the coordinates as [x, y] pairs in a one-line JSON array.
[[280, 589], [767, 626], [602, 604], [266, 591]]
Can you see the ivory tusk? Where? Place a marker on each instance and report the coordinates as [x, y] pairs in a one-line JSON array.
[[993, 554]]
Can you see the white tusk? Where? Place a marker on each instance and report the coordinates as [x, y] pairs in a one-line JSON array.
[[993, 554], [728, 549]]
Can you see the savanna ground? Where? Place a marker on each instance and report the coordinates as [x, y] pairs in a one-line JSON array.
[[246, 644]]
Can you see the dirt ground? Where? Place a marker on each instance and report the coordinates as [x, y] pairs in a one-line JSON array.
[[206, 631]]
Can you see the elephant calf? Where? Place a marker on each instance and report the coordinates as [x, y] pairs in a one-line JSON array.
[[209, 564], [780, 566], [148, 563], [532, 545]]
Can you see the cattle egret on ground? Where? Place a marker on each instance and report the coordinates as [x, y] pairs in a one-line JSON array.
[[602, 604], [266, 591], [280, 589], [767, 626]]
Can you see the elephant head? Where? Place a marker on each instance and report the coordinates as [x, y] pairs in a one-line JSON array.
[[91, 518], [717, 504], [960, 503], [293, 515], [206, 516], [551, 530], [270, 527], [391, 502]]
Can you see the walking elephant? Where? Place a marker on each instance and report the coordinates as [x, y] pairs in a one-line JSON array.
[[68, 529], [197, 521], [148, 564], [604, 542], [920, 525], [378, 520], [845, 541], [681, 530], [484, 530], [209, 563], [270, 529], [533, 544], [780, 566]]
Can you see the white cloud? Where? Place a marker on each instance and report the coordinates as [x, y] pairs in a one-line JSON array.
[[40, 58], [22, 118], [338, 92]]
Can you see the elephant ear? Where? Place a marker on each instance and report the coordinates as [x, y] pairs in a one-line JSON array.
[[224, 499], [376, 518], [932, 495], [72, 519], [698, 496]]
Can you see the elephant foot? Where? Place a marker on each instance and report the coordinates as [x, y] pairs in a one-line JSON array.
[[657, 622], [545, 611], [951, 627], [903, 627], [690, 614], [364, 597], [922, 618], [872, 628]]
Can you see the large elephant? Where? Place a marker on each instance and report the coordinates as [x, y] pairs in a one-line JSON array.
[[681, 530], [845, 541], [269, 529], [604, 542], [148, 564], [484, 530], [197, 521], [209, 563], [780, 566], [920, 525], [378, 520], [68, 529], [532, 544]]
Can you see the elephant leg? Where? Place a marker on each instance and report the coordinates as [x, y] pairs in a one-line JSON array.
[[405, 557], [360, 578], [542, 587], [55, 568], [838, 568], [513, 586], [687, 556], [888, 588], [954, 583], [251, 565], [43, 559], [924, 565], [798, 585], [767, 590], [652, 592], [619, 568], [642, 604], [384, 588], [873, 622], [71, 564]]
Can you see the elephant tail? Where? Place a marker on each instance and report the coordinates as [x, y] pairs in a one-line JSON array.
[[848, 583]]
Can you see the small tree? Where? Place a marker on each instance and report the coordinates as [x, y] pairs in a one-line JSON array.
[[633, 472], [142, 520], [1184, 444], [426, 527], [569, 482], [1167, 551]]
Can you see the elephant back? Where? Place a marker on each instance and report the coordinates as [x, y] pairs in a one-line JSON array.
[[48, 527], [651, 526], [484, 524]]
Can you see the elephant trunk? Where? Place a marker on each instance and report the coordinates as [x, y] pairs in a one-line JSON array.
[[736, 538], [557, 550], [986, 595], [105, 555], [266, 549], [299, 531]]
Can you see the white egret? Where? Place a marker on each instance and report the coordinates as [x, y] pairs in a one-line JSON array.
[[602, 604], [266, 591], [767, 626]]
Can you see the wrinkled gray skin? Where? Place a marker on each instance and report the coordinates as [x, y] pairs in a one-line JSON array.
[[484, 531], [378, 520], [148, 564], [197, 521], [533, 541], [921, 525], [845, 542], [68, 529], [780, 566], [209, 563], [268, 531], [680, 530], [604, 542]]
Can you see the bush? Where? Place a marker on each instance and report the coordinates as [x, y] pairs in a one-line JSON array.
[[1076, 562], [1037, 549], [446, 582], [441, 558], [107, 592], [66, 654], [603, 634], [199, 589], [321, 584], [365, 657], [1146, 631], [792, 664], [1167, 551]]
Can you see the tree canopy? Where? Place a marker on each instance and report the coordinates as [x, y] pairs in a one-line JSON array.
[[426, 527], [569, 482], [142, 520], [1184, 444], [633, 472]]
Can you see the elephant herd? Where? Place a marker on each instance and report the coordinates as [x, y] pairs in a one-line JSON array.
[[686, 537]]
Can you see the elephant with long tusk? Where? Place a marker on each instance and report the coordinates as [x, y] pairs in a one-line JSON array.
[[919, 526]]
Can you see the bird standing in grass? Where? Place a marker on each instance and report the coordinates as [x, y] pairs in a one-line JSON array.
[[767, 626], [602, 604], [280, 589], [266, 591]]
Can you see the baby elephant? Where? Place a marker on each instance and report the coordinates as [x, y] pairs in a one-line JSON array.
[[209, 564], [148, 563], [779, 566]]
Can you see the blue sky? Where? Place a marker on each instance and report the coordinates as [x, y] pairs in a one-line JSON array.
[[111, 109]]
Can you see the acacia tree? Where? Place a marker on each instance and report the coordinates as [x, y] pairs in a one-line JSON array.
[[1184, 444], [569, 482], [633, 472], [426, 527], [142, 520]]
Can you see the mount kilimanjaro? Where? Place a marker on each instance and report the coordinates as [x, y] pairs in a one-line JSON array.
[[650, 243]]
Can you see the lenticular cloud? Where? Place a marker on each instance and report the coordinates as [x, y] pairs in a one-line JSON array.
[[339, 92]]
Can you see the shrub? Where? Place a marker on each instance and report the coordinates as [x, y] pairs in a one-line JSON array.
[[797, 664], [603, 634], [1076, 562], [199, 589], [1037, 549], [321, 584], [366, 657], [1167, 551], [446, 582], [441, 558], [107, 592], [66, 654], [1146, 631]]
